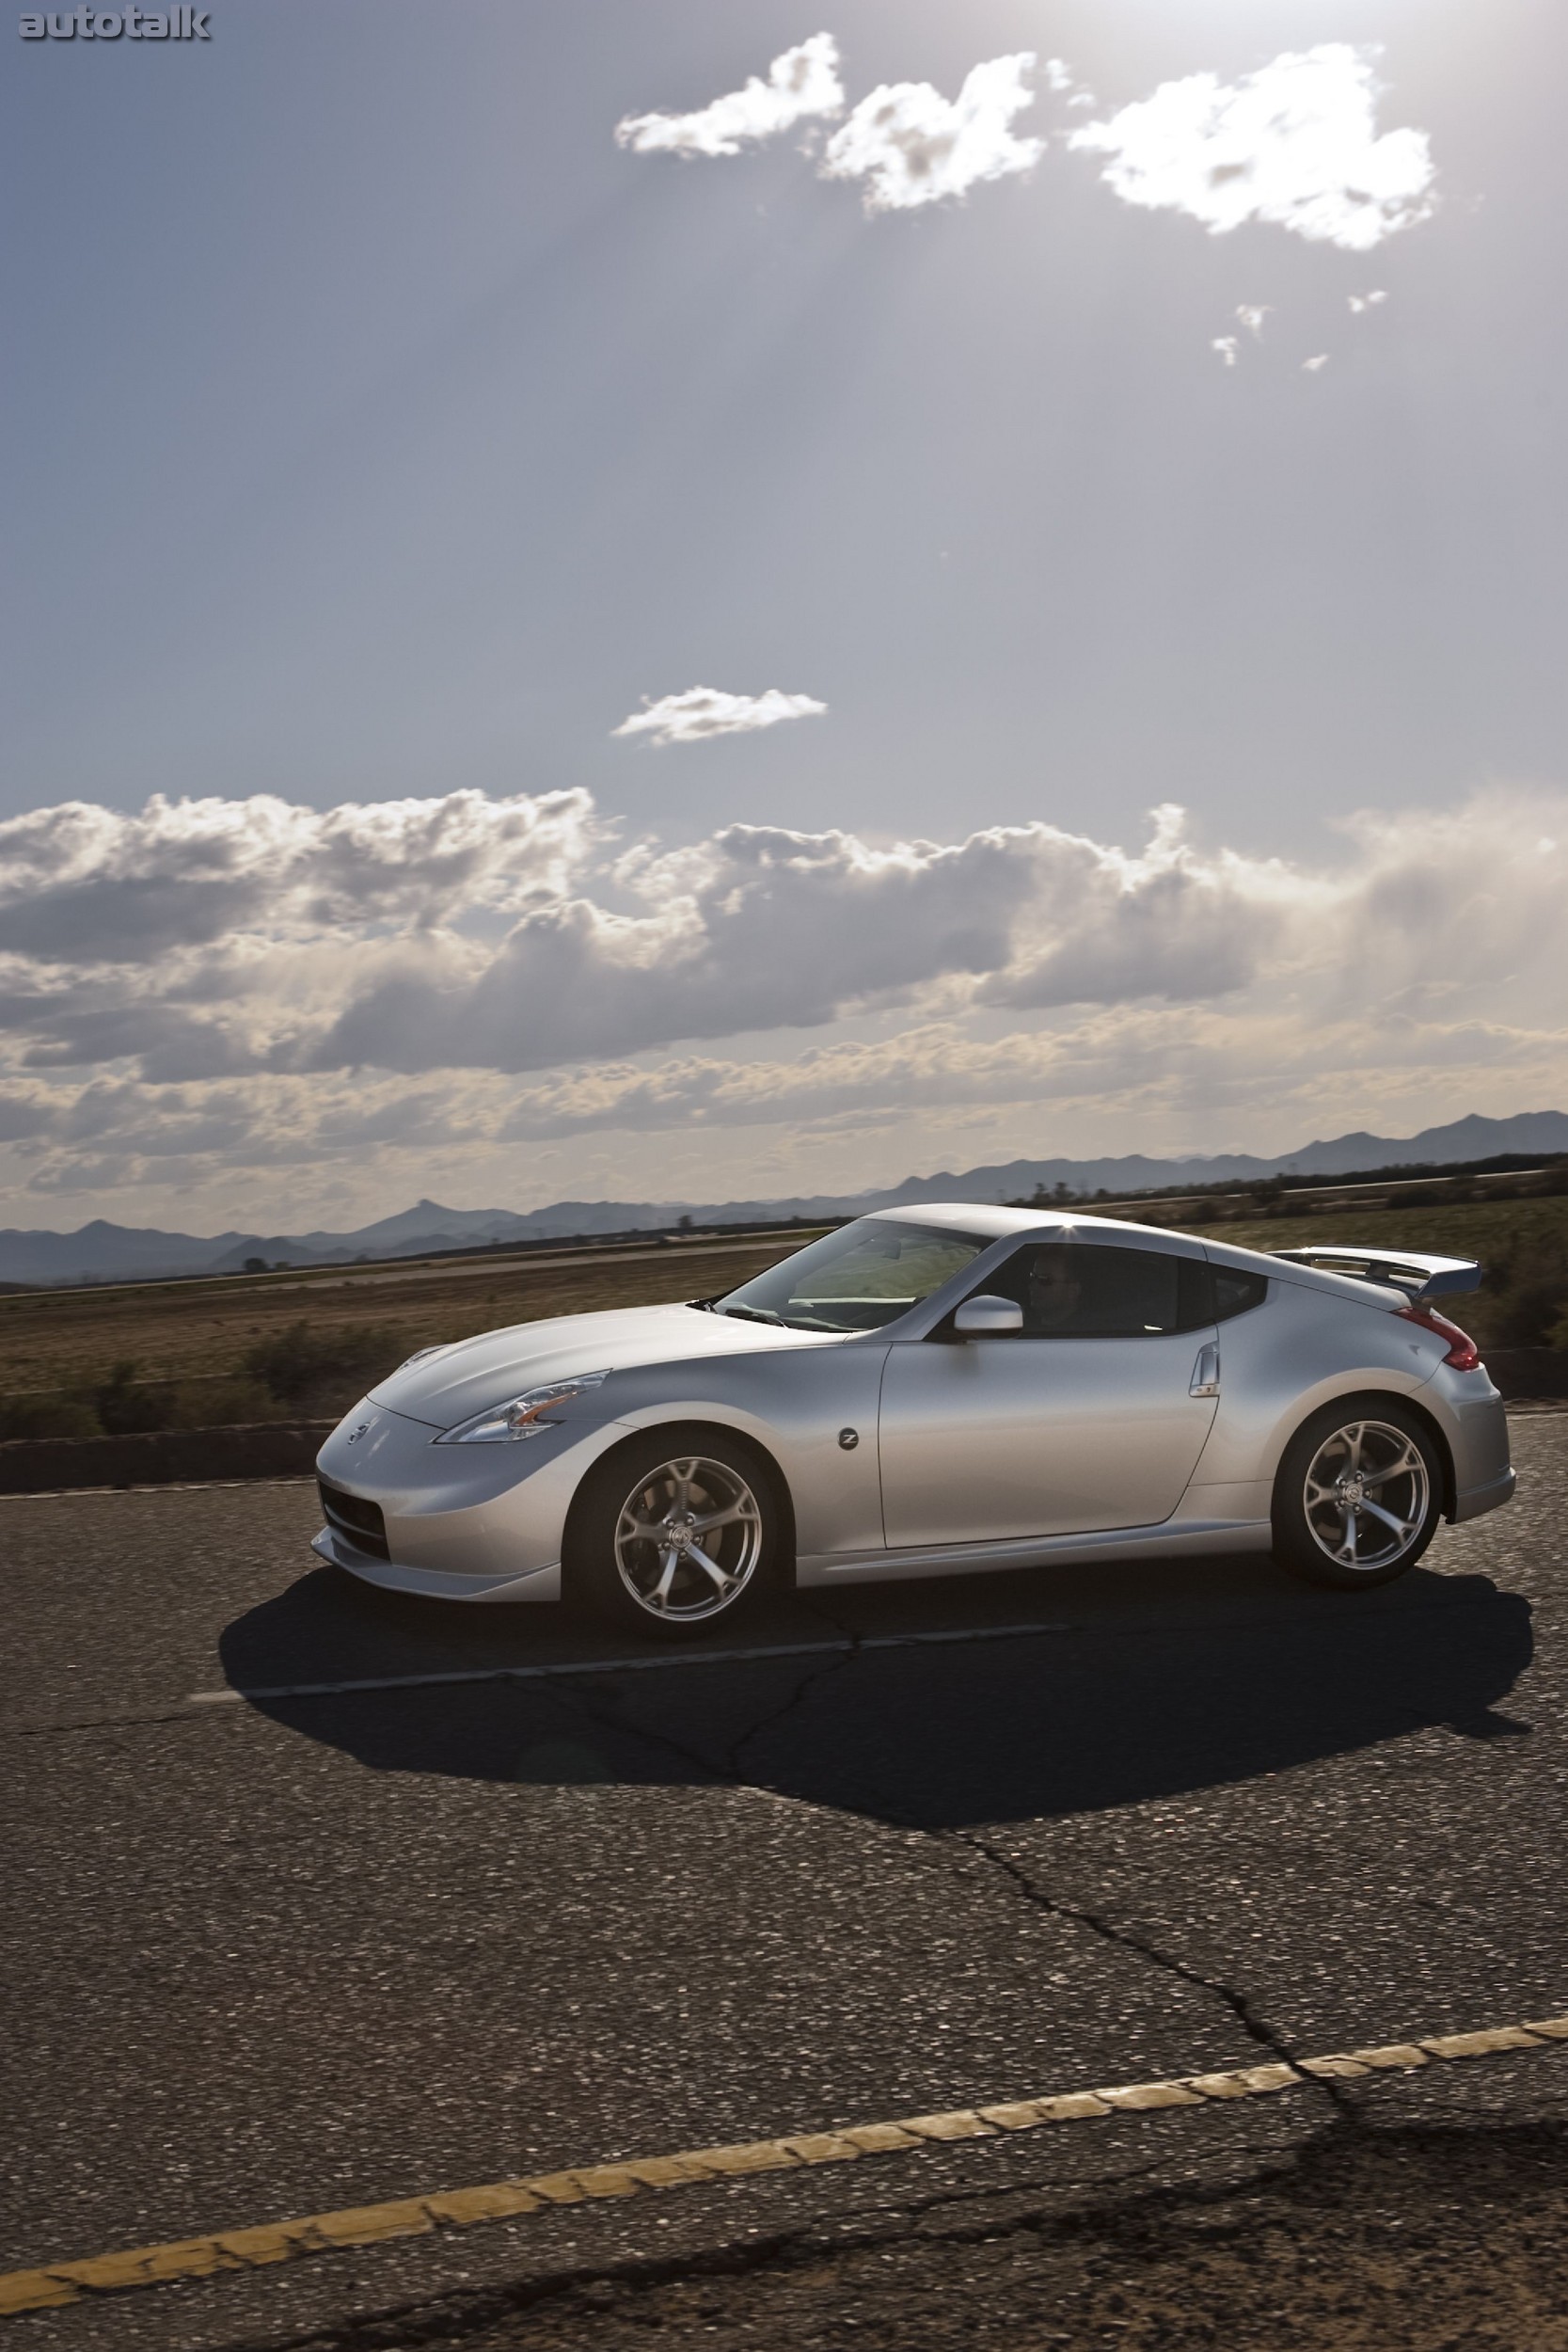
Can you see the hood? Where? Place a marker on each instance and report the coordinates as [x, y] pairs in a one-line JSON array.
[[474, 1375]]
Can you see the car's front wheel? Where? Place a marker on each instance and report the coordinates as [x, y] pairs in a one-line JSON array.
[[1358, 1494], [675, 1534]]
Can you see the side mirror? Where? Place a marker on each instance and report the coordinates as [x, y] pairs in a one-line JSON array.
[[986, 1316]]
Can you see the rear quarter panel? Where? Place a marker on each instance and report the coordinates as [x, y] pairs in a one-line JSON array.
[[1302, 1349]]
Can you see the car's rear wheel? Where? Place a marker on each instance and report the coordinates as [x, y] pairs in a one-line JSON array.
[[1358, 1494], [673, 1535]]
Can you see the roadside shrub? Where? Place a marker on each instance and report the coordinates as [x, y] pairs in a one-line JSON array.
[[219, 1404], [48, 1415], [127, 1407], [1529, 1316], [304, 1368], [122, 1406]]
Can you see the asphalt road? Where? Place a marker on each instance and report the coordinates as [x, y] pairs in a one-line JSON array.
[[267, 1959]]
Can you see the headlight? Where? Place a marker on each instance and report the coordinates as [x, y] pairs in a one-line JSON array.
[[525, 1416]]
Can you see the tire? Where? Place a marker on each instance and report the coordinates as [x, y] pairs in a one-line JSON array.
[[674, 1480], [1358, 1494]]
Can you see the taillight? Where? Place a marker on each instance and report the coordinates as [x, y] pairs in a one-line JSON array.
[[1463, 1355]]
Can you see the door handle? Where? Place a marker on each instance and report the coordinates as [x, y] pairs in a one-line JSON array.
[[1206, 1371]]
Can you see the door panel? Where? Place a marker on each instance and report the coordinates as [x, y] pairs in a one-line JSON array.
[[990, 1439]]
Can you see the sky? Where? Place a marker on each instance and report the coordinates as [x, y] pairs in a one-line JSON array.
[[704, 598]]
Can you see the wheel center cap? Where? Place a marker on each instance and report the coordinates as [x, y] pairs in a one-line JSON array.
[[1352, 1487], [681, 1526]]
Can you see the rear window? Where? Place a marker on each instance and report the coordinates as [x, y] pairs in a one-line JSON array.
[[1236, 1293]]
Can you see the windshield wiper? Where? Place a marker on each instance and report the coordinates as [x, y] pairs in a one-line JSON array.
[[755, 1314]]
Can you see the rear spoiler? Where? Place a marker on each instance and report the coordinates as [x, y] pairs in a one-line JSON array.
[[1409, 1270]]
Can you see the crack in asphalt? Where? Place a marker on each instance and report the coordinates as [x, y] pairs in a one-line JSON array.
[[446, 2320], [730, 1771], [1256, 2027], [804, 1688]]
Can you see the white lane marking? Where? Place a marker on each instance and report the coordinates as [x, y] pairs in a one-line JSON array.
[[558, 1668]]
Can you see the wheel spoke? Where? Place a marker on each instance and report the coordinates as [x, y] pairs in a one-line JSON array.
[[1409, 1462], [710, 1519], [643, 1530], [1403, 1528], [659, 1597], [1347, 1542], [722, 1583], [1353, 1436], [684, 1473]]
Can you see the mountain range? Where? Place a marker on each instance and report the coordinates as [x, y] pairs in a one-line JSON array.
[[102, 1252]]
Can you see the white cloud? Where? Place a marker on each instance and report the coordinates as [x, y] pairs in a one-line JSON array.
[[1295, 144], [414, 986], [704, 710], [803, 83], [1252, 315], [911, 146], [1367, 301], [1227, 349], [86, 885], [1310, 367]]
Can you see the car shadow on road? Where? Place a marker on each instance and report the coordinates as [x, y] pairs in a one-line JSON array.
[[1144, 1686]]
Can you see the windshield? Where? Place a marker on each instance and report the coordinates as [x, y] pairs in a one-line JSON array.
[[856, 1279]]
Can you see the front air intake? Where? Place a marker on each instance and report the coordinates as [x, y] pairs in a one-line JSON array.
[[358, 1521]]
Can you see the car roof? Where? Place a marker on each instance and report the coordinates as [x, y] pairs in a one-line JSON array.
[[993, 1222], [982, 1220]]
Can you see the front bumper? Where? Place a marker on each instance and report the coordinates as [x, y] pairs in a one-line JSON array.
[[472, 1523], [434, 1583]]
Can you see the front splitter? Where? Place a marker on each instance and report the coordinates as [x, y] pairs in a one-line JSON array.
[[429, 1584]]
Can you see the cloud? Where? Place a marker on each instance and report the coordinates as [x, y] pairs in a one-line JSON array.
[[1310, 367], [1227, 349], [1367, 301], [911, 146], [757, 927], [420, 984], [84, 884], [1252, 315], [1295, 144], [803, 83], [702, 711]]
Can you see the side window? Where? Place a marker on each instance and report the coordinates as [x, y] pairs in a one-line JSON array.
[[1237, 1294], [1080, 1290]]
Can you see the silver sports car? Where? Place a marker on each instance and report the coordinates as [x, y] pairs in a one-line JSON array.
[[924, 1392]]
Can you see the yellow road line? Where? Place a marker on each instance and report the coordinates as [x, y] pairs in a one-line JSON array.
[[503, 2200]]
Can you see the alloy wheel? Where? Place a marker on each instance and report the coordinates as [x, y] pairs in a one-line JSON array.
[[1366, 1495], [688, 1539]]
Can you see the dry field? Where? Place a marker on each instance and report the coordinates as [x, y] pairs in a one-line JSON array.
[[199, 1335]]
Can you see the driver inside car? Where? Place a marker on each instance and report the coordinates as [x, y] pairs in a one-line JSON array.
[[1052, 1292]]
